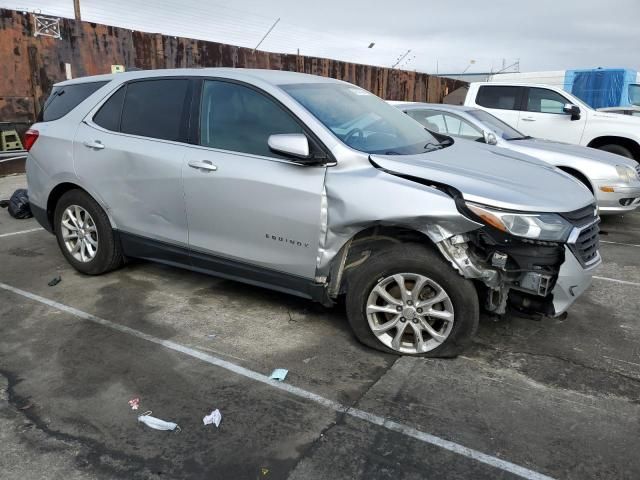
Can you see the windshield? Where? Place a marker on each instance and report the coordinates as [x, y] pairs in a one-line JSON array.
[[363, 121], [634, 94], [497, 126]]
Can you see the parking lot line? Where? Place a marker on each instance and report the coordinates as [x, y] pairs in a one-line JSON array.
[[615, 280], [293, 390], [21, 232], [619, 243]]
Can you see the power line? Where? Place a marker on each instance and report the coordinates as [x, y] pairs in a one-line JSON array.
[[400, 58]]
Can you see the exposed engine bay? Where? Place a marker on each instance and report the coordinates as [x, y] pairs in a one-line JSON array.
[[513, 273], [521, 275]]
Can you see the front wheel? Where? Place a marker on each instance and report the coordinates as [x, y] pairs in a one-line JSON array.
[[407, 300]]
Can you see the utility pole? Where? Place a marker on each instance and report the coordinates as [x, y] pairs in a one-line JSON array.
[[76, 10]]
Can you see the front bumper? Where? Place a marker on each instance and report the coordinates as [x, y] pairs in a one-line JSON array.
[[609, 203], [573, 280]]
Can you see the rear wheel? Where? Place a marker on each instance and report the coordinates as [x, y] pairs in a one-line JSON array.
[[407, 300], [617, 149], [84, 234]]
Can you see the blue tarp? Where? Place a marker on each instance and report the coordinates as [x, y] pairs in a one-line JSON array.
[[602, 87]]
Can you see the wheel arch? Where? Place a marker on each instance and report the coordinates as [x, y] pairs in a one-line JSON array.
[[358, 249], [579, 175], [628, 143], [58, 191]]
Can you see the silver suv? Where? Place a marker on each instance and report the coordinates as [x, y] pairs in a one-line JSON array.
[[313, 187]]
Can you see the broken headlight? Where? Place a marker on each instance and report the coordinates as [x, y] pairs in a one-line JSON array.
[[538, 226]]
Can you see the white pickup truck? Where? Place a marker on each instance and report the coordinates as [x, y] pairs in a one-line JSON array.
[[548, 112]]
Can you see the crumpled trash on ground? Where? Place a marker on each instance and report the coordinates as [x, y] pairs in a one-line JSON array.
[[54, 281], [215, 417], [134, 403], [157, 423], [279, 374], [19, 204]]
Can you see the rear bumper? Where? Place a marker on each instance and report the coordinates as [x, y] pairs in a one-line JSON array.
[[573, 280]]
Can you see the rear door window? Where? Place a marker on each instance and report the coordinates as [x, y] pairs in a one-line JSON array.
[[502, 97], [109, 114], [65, 98], [157, 108], [240, 119]]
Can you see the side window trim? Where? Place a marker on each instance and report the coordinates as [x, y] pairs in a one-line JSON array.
[[312, 137], [523, 100]]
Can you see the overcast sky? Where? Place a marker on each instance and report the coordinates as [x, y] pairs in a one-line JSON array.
[[448, 36]]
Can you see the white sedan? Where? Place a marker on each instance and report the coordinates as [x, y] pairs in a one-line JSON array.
[[614, 180]]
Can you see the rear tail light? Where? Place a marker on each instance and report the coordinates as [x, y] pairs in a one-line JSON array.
[[30, 138]]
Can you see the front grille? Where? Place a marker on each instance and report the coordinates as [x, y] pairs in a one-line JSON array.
[[587, 244], [638, 169], [582, 217]]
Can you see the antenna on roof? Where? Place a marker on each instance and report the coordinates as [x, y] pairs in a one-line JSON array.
[[265, 35]]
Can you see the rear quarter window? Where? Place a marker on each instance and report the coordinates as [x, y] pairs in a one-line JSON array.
[[110, 112], [65, 98], [500, 97]]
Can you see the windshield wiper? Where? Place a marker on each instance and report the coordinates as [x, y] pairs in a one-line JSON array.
[[526, 137]]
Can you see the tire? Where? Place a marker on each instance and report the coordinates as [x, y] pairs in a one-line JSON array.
[[618, 150], [415, 262], [96, 229]]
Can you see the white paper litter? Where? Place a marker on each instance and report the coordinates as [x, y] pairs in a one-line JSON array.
[[214, 417], [157, 423]]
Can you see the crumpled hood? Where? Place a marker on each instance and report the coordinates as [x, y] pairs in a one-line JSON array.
[[493, 176], [569, 149]]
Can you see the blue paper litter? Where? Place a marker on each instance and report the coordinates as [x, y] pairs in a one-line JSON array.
[[279, 374]]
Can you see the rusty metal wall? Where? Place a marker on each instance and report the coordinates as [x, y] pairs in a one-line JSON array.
[[30, 65]]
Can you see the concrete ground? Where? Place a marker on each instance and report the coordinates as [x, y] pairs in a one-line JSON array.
[[554, 398]]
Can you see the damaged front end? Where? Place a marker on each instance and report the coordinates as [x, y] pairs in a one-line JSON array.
[[523, 275]]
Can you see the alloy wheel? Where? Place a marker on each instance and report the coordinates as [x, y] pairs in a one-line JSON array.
[[410, 313], [79, 233]]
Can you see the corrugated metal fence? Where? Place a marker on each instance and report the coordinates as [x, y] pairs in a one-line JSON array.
[[29, 65]]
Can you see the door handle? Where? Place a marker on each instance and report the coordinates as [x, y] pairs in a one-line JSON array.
[[96, 145], [205, 165], [528, 119]]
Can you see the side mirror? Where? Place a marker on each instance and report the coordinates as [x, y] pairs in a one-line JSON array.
[[292, 144], [573, 110], [490, 138]]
